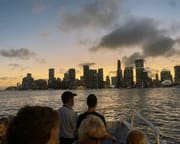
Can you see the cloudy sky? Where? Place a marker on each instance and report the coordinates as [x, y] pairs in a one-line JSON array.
[[39, 34]]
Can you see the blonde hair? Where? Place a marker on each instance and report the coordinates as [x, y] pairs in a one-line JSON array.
[[136, 137], [91, 128]]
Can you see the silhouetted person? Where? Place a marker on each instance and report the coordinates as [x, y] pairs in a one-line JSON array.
[[34, 125], [136, 137], [92, 103], [68, 118]]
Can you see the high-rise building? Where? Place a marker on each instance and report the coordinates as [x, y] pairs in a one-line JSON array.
[[51, 73], [139, 63], [86, 74], [107, 82], [100, 78], [177, 74], [113, 81], [128, 77], [92, 79], [166, 75], [72, 74], [27, 82], [119, 74]]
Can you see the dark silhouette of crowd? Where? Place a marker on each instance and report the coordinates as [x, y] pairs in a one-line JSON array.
[[44, 125]]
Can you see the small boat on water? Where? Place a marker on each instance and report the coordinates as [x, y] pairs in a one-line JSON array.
[[120, 130]]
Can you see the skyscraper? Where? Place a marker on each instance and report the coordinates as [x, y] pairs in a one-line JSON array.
[[177, 74], [166, 75], [119, 74], [72, 74], [128, 77], [86, 74], [51, 73], [139, 63], [100, 78]]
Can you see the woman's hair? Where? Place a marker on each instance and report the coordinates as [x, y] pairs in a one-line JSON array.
[[32, 125], [136, 137], [91, 128], [3, 129]]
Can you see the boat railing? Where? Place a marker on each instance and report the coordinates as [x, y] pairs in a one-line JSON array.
[[155, 129]]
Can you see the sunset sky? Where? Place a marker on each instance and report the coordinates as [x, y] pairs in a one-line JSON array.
[[36, 35]]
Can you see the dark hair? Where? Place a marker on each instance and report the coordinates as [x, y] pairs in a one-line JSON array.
[[91, 100], [32, 125], [66, 96]]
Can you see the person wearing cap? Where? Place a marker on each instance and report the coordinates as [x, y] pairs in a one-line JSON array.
[[92, 103], [68, 118]]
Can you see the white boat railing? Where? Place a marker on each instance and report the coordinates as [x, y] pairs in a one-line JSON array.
[[155, 129]]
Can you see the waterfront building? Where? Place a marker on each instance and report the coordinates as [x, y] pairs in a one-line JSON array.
[[71, 78], [113, 81], [100, 78], [86, 74], [177, 74], [107, 82], [92, 79], [53, 83], [28, 82], [40, 84], [51, 73], [139, 64], [119, 74], [166, 75], [128, 77]]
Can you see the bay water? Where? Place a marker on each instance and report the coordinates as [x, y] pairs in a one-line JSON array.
[[161, 106]]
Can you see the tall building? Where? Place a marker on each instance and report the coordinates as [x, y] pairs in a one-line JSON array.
[[119, 74], [72, 74], [28, 82], [166, 75], [51, 73], [86, 74], [92, 79], [139, 64], [100, 78], [128, 77], [107, 82], [177, 74]]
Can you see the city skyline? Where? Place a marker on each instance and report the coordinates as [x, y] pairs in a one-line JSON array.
[[41, 34]]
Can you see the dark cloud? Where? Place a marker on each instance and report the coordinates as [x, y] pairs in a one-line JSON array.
[[14, 66], [22, 53], [89, 64], [97, 13], [7, 78], [143, 33], [129, 60]]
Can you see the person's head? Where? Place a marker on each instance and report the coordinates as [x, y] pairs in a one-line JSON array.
[[92, 130], [68, 98], [91, 100], [136, 137], [34, 125], [3, 129]]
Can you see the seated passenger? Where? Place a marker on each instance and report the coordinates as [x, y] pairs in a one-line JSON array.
[[34, 125], [3, 130], [93, 131], [92, 103], [136, 137]]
